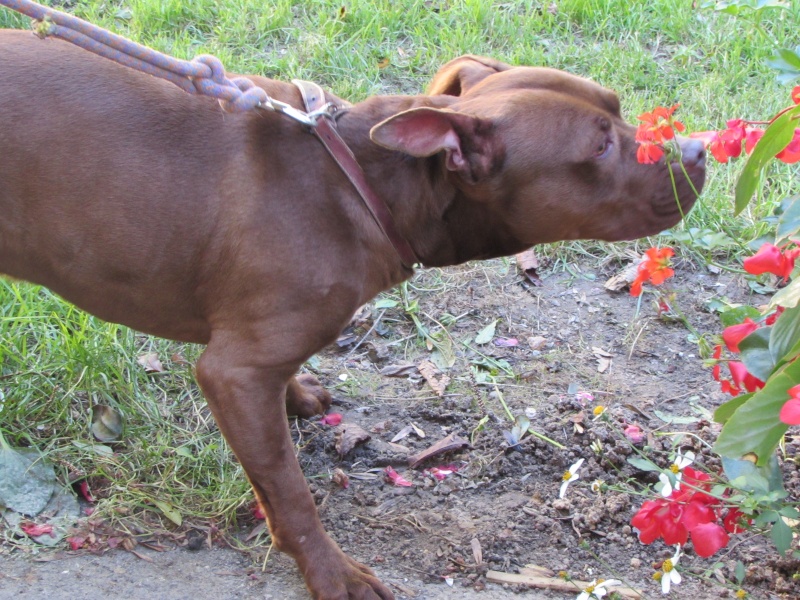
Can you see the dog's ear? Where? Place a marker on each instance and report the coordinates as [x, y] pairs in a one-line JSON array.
[[459, 75], [467, 141]]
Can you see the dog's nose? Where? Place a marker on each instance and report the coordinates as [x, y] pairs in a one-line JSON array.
[[693, 152]]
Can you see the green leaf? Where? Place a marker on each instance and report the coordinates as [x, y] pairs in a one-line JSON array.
[[781, 535], [787, 63], [739, 572], [789, 220], [755, 426], [643, 464], [784, 339], [776, 137], [725, 411], [756, 354], [486, 334], [385, 303], [734, 316], [169, 511], [748, 476], [674, 419], [788, 297]]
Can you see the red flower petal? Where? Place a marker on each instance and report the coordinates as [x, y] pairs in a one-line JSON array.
[[736, 333], [697, 513], [34, 530], [395, 478], [791, 154], [332, 419], [738, 372], [708, 538], [790, 413], [674, 532], [768, 259], [76, 542]]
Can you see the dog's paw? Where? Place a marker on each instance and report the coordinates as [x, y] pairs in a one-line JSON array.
[[305, 397], [349, 579]]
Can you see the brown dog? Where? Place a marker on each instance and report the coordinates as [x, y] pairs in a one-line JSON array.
[[150, 207]]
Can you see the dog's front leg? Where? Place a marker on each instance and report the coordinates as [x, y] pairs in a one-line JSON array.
[[247, 395]]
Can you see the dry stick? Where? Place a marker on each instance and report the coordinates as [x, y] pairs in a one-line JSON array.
[[555, 583]]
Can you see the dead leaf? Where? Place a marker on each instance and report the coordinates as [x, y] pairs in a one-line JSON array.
[[106, 423], [403, 369], [340, 478], [151, 363], [477, 553], [448, 444], [528, 263], [536, 342], [403, 433], [179, 359], [349, 436], [435, 378], [603, 359]]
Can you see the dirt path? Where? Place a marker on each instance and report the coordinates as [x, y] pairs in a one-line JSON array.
[[183, 575]]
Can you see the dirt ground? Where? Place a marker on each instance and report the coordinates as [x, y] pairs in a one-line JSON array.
[[501, 506]]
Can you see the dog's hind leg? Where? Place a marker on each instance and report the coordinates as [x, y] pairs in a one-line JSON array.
[[305, 397]]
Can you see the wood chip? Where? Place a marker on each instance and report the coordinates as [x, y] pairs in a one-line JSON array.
[[450, 443]]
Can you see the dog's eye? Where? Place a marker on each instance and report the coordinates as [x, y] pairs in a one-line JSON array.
[[603, 148]]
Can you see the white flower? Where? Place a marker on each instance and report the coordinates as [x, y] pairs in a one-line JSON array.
[[569, 477], [670, 575], [681, 462], [597, 590]]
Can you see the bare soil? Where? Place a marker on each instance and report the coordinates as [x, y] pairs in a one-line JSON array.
[[502, 504]]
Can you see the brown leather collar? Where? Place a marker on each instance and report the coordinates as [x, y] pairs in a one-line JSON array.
[[325, 130]]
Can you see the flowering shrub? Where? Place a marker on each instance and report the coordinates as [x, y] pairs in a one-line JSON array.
[[762, 351]]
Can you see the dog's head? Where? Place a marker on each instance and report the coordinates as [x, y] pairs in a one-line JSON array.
[[548, 150]]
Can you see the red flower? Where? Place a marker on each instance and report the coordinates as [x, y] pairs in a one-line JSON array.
[[790, 413], [690, 511], [654, 268], [649, 153], [796, 94], [791, 154], [770, 259], [735, 521], [736, 333], [770, 320], [707, 538], [657, 127]]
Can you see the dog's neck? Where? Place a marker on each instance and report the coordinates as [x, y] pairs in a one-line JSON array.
[[441, 222]]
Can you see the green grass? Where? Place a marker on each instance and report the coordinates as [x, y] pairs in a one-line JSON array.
[[56, 362]]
